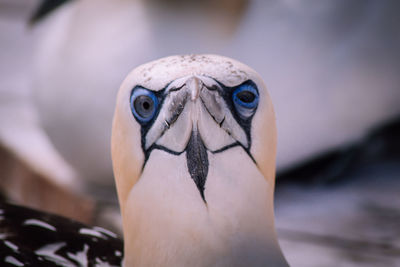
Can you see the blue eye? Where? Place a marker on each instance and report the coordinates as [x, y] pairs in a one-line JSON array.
[[143, 104], [245, 99]]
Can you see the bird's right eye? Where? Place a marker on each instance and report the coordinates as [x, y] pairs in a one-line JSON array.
[[144, 104]]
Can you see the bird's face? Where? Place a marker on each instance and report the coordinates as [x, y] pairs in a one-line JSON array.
[[193, 106], [193, 148]]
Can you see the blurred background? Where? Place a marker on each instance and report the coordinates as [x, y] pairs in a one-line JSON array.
[[332, 69]]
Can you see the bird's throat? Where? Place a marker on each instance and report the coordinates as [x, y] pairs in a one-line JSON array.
[[197, 161]]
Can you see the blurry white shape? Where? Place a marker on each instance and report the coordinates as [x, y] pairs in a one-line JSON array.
[[21, 134], [40, 224], [330, 71], [49, 252], [11, 245], [13, 261], [80, 256], [87, 231], [84, 52], [104, 231], [330, 77], [20, 131]]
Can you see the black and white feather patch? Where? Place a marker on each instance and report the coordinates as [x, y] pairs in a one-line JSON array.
[[33, 238]]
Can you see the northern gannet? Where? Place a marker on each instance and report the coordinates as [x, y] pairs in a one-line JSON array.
[[193, 149]]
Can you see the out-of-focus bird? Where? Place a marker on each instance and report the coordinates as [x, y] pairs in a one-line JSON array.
[[32, 171], [333, 74], [193, 148]]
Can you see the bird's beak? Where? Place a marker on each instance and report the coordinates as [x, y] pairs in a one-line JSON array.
[[194, 119], [196, 151], [194, 85], [197, 161]]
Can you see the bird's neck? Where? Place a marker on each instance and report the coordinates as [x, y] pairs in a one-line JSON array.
[[167, 223]]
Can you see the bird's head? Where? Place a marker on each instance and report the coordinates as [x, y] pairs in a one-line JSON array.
[[192, 136], [191, 105]]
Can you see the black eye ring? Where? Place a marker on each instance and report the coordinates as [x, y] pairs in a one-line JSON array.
[[144, 104], [245, 99]]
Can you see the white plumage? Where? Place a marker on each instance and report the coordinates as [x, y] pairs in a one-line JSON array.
[[166, 221]]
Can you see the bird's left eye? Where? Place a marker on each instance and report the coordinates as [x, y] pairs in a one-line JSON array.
[[143, 104], [245, 100]]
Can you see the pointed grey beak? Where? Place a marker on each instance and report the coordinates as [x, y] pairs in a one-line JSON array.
[[197, 161]]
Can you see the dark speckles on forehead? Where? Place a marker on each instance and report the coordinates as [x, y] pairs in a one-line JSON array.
[[201, 60], [146, 75], [145, 71], [157, 74]]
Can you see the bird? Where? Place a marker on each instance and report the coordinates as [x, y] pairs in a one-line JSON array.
[[193, 154], [30, 237], [77, 41]]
